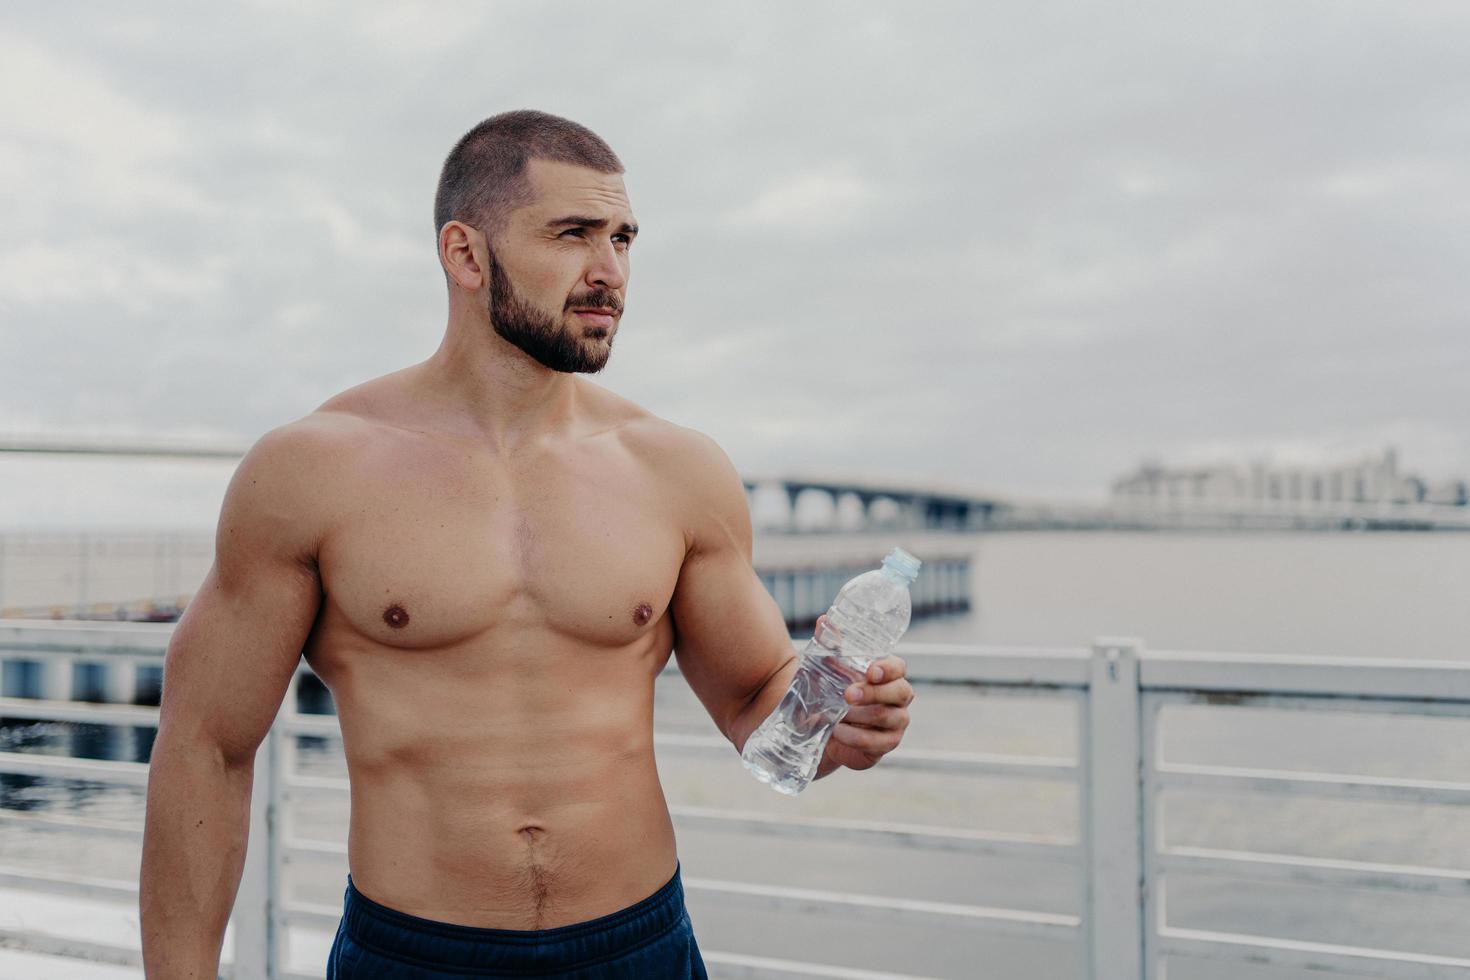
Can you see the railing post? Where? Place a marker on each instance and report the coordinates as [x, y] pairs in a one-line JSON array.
[[120, 680], [255, 900], [56, 676], [283, 764], [1112, 814]]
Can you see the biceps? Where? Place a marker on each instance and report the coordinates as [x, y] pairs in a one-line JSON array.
[[729, 634], [232, 655]]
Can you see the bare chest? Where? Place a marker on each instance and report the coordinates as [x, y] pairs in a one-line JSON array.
[[437, 549]]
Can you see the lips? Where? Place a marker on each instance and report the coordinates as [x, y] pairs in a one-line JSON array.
[[601, 317]]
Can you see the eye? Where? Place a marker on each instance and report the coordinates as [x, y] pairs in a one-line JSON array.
[[626, 241], [571, 231]]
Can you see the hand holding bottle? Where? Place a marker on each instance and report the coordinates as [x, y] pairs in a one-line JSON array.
[[878, 714], [846, 680]]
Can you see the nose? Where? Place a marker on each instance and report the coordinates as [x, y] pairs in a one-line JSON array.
[[606, 269]]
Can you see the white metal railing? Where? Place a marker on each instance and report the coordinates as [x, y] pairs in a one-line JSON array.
[[1117, 687]]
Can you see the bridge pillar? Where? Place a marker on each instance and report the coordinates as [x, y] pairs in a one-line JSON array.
[[849, 512]]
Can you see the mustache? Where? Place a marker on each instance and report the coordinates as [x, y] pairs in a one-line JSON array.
[[601, 298]]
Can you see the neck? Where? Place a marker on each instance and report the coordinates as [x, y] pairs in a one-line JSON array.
[[504, 396]]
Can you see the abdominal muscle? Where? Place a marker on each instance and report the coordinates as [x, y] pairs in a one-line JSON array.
[[521, 799]]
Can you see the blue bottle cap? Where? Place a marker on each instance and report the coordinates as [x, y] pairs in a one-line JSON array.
[[903, 563]]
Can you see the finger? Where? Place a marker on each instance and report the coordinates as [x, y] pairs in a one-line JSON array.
[[899, 692], [888, 668], [852, 758], [877, 741], [877, 716]]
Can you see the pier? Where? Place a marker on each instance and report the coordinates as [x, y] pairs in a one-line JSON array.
[[98, 575]]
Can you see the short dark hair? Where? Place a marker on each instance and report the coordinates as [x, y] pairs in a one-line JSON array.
[[484, 176]]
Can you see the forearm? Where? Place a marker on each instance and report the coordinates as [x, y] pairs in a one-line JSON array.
[[194, 837], [828, 765], [759, 708]]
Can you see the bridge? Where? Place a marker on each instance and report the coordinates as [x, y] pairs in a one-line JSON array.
[[859, 504], [826, 504], [846, 504]]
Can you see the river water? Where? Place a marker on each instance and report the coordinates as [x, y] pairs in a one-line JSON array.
[[1344, 594], [1356, 595]]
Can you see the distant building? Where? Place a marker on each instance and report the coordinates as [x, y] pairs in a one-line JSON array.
[[1456, 493], [1369, 479]]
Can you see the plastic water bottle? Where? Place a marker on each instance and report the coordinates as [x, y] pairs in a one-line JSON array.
[[868, 616]]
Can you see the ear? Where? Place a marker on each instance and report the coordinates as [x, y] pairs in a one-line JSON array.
[[464, 253]]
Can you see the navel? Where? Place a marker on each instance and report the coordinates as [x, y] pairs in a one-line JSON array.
[[642, 614], [396, 616]]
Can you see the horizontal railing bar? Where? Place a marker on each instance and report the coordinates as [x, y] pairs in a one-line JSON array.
[[321, 726], [925, 760], [1369, 704], [292, 783], [1047, 925], [873, 833], [75, 636], [39, 709], [1328, 957], [998, 666], [1315, 784], [767, 968], [312, 914], [65, 767], [74, 886], [30, 941], [1379, 677], [1041, 767], [73, 825], [1002, 666], [1317, 871], [312, 848]]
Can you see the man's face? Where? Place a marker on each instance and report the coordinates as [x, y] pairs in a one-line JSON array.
[[559, 268]]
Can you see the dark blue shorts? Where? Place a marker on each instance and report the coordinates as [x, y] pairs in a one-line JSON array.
[[650, 940]]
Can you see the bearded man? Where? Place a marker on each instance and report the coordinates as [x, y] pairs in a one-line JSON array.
[[487, 559]]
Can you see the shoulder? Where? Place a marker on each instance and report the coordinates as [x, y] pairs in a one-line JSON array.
[[281, 495], [303, 449], [698, 479], [653, 439]]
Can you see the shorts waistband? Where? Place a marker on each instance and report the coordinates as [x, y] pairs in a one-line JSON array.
[[427, 942]]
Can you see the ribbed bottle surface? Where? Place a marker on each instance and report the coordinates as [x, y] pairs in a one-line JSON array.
[[869, 615]]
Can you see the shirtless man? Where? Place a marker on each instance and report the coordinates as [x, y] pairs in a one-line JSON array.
[[487, 559]]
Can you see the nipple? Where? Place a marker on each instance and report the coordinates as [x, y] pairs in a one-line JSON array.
[[642, 614], [395, 616]]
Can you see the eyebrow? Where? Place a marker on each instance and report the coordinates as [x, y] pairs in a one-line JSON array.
[[577, 221]]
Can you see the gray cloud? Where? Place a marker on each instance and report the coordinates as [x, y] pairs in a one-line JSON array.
[[1015, 247]]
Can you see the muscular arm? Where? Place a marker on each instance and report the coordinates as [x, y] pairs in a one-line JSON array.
[[730, 639], [228, 663]]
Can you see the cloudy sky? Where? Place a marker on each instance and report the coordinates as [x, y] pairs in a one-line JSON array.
[[1012, 246]]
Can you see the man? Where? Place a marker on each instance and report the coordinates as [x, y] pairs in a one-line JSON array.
[[488, 560]]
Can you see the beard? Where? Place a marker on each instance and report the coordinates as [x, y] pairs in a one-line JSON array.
[[541, 336]]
